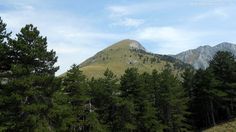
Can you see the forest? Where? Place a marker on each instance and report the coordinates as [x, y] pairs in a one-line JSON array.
[[32, 98]]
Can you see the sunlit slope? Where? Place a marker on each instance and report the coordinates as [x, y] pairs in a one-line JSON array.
[[229, 126], [125, 54]]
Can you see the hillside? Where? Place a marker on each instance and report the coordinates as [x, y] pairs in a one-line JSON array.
[[200, 57], [225, 127], [124, 54]]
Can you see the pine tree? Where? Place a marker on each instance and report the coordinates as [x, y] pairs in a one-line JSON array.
[[207, 99], [214, 91], [104, 92], [200, 100], [129, 89], [137, 107], [223, 67], [5, 62], [32, 82], [61, 115], [146, 112], [4, 49], [76, 89], [188, 80], [188, 76], [170, 100]]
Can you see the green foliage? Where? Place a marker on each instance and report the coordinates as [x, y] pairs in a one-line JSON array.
[[104, 92], [170, 101], [73, 110], [4, 49], [33, 99], [28, 90], [213, 91], [61, 115]]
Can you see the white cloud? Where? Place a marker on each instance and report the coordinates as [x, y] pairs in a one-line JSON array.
[[63, 48], [139, 7], [122, 16], [119, 11], [218, 13], [212, 3], [169, 40], [88, 35], [129, 22], [126, 15], [162, 33], [70, 36]]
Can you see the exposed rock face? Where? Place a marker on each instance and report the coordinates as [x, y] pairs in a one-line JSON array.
[[136, 45], [200, 57]]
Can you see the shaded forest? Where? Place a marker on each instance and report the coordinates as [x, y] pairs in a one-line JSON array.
[[32, 98]]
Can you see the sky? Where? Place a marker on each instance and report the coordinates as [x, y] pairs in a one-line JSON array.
[[78, 29]]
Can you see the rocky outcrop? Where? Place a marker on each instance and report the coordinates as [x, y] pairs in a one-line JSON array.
[[200, 57]]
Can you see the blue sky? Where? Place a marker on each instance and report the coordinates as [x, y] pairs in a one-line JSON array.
[[77, 29]]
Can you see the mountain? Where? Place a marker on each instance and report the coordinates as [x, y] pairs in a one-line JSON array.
[[125, 54], [200, 57]]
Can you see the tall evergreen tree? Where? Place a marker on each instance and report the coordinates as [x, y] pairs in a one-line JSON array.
[[223, 66], [32, 82], [146, 112], [188, 77], [4, 49], [138, 111], [170, 101], [75, 87], [61, 115], [207, 99], [203, 112], [5, 62], [188, 80], [104, 92], [129, 89], [214, 91]]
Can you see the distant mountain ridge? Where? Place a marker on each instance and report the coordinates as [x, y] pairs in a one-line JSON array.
[[130, 53], [200, 57]]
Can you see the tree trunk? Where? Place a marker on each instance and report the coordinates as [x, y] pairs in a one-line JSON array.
[[232, 106], [212, 113]]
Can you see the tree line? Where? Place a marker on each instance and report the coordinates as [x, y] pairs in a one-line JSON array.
[[32, 98]]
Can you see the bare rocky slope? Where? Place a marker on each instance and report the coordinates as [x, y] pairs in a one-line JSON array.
[[200, 57]]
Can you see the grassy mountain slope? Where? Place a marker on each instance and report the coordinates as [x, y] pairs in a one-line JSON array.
[[225, 127], [124, 54]]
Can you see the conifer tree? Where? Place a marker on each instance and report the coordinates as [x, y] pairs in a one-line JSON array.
[[5, 62], [32, 82], [76, 90], [138, 111], [129, 90], [61, 115], [223, 66], [146, 112], [188, 80], [214, 91], [202, 115], [170, 101], [4, 49], [104, 92]]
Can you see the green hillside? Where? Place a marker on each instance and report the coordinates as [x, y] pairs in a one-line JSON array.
[[125, 54], [225, 127]]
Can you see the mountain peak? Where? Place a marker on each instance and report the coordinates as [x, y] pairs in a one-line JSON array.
[[128, 44], [200, 57], [125, 54], [225, 45]]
